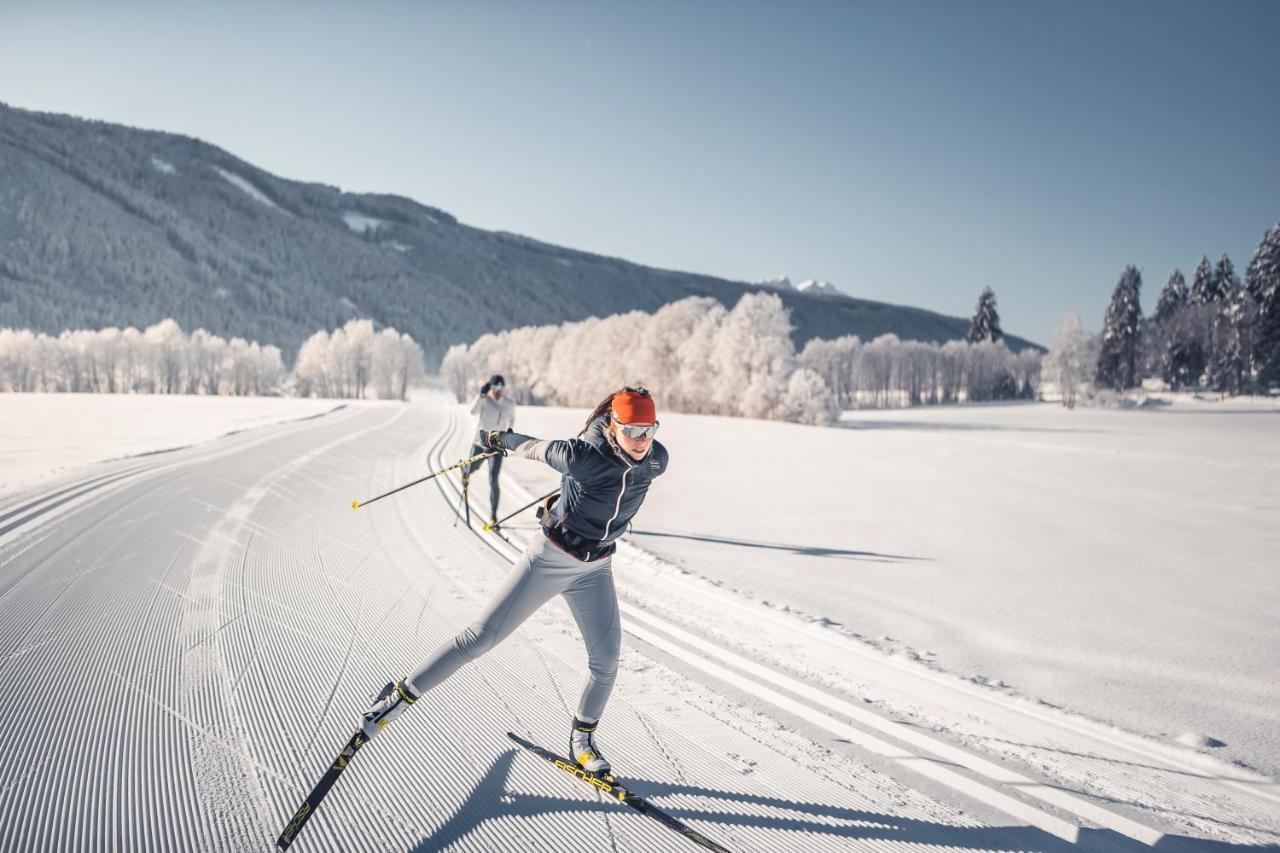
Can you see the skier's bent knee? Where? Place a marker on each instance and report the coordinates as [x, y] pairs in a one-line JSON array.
[[475, 641]]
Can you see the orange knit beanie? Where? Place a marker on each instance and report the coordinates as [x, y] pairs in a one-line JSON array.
[[632, 407]]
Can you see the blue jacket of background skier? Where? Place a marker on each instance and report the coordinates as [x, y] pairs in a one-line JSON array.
[[601, 487]]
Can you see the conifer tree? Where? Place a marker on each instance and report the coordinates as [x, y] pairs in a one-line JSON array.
[[1161, 337], [1172, 298], [1121, 334], [1225, 280], [1230, 366], [985, 325], [1202, 284], [1262, 280]]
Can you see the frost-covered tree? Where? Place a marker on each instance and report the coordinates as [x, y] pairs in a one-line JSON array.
[[698, 357], [310, 377], [166, 346], [360, 352], [985, 324], [1028, 365], [657, 359], [17, 360], [808, 400], [874, 369], [1121, 334], [1070, 358], [344, 362], [1262, 279], [161, 360], [697, 370], [753, 357], [396, 364]]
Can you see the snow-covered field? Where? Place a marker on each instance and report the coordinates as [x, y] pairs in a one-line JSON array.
[[1119, 564], [42, 435], [816, 626]]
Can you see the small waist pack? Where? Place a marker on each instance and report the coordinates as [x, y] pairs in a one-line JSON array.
[[578, 547]]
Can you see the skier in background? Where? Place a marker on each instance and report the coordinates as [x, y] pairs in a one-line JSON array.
[[496, 412], [606, 473]]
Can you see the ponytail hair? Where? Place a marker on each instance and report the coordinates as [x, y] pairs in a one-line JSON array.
[[605, 406]]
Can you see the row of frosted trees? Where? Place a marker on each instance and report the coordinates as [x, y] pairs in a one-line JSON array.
[[163, 359], [889, 373], [346, 362], [702, 358]]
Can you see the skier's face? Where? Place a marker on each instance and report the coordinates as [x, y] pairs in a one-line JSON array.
[[495, 391], [636, 448]]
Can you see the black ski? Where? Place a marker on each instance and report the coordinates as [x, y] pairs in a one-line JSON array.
[[309, 806], [609, 786]]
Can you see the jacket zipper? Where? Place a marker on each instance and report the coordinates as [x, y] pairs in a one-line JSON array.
[[617, 508]]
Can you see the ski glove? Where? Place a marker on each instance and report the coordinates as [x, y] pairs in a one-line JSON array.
[[491, 439], [484, 389]]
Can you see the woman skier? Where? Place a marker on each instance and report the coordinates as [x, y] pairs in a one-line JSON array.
[[606, 472], [495, 412]]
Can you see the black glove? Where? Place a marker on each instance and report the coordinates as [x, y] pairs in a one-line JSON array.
[[484, 389], [491, 439]]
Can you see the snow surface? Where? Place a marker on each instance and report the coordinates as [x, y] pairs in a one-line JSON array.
[[244, 185], [192, 588], [1118, 564], [46, 434], [162, 166], [195, 589]]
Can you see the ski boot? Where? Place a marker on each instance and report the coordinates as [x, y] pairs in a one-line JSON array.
[[582, 747], [393, 699]]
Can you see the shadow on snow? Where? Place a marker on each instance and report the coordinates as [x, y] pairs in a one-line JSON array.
[[805, 550], [490, 799]]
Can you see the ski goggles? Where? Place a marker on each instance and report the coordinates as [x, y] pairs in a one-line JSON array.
[[638, 430], [497, 386]]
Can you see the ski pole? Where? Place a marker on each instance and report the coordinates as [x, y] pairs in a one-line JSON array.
[[510, 515], [468, 461]]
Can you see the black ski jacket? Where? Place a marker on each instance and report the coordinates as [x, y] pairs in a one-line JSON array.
[[602, 487]]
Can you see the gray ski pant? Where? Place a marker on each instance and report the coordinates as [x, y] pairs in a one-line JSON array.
[[495, 468], [543, 571]]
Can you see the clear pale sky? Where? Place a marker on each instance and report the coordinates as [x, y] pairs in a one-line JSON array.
[[908, 152]]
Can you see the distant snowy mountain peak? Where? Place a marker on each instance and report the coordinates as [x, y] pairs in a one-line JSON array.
[[813, 285]]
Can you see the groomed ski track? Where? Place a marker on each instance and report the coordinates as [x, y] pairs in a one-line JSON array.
[[187, 639]]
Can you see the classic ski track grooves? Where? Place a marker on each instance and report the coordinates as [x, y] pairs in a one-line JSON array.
[[928, 756], [185, 644], [731, 827]]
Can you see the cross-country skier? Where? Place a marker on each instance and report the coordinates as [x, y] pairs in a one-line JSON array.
[[606, 473], [496, 412]]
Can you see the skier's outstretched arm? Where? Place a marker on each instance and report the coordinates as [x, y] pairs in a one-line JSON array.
[[557, 453]]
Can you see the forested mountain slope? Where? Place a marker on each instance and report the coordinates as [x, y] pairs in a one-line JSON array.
[[102, 224]]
